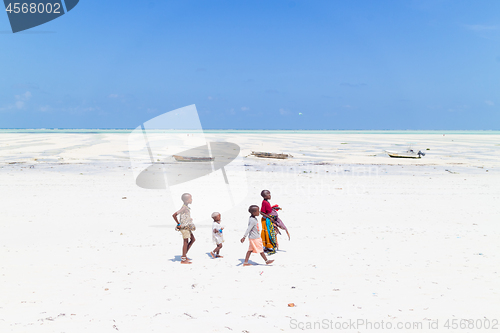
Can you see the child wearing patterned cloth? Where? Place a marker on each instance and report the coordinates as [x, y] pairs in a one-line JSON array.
[[185, 226]]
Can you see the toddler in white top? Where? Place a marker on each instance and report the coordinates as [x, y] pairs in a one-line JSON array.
[[217, 235]]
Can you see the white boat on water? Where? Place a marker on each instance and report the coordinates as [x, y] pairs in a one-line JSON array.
[[410, 153]]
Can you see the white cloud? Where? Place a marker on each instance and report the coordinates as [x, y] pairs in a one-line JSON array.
[[490, 103], [22, 98], [20, 102], [113, 96], [283, 111], [245, 108], [80, 109]]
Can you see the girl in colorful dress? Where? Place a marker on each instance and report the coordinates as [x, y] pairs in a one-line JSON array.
[[268, 232]]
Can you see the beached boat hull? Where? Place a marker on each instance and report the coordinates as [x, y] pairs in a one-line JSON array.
[[270, 155], [406, 154], [192, 159]]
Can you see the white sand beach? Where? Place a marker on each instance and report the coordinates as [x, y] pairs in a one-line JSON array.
[[83, 249]]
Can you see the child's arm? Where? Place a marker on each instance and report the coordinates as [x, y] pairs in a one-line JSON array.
[[251, 225], [174, 215], [267, 216]]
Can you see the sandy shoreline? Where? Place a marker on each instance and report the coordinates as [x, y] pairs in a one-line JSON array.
[[373, 238], [468, 150]]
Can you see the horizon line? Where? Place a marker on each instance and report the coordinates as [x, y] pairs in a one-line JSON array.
[[238, 129]]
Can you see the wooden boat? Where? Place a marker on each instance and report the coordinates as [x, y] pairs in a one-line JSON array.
[[270, 155], [193, 159], [410, 153]]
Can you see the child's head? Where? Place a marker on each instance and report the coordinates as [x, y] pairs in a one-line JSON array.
[[266, 194], [187, 198], [216, 216], [254, 210]]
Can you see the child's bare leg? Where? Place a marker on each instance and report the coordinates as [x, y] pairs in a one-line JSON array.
[[263, 255], [247, 257], [190, 242], [217, 249], [288, 234], [184, 247], [184, 259]]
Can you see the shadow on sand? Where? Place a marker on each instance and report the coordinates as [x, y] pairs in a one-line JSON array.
[[176, 258], [250, 262]]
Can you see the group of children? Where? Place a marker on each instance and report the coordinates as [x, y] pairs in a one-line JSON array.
[[260, 240]]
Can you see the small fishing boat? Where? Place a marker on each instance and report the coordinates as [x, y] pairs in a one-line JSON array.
[[270, 155], [410, 153], [193, 159]]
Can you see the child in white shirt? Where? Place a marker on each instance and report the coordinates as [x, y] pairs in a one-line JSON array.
[[217, 236]]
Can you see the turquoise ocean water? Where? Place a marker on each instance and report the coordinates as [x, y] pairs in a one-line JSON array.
[[126, 131]]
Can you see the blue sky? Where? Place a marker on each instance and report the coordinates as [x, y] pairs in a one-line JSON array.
[[257, 65]]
